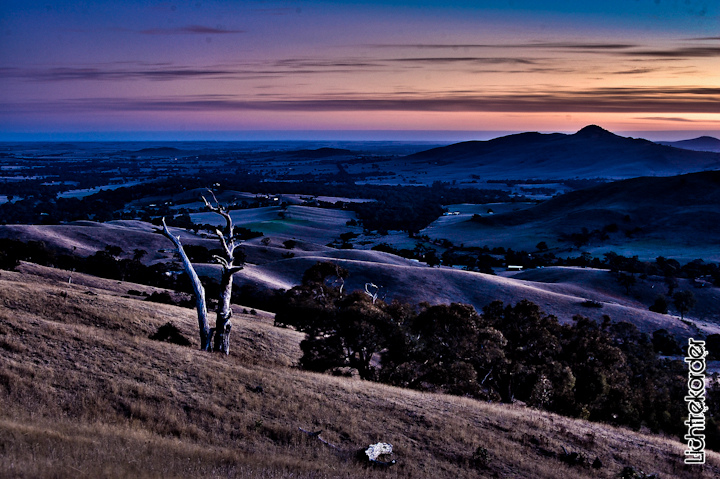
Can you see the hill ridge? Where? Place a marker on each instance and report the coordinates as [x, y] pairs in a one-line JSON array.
[[591, 152]]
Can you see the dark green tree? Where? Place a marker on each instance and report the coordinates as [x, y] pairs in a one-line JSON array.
[[341, 330], [664, 343], [684, 301]]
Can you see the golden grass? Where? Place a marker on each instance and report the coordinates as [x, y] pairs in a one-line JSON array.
[[84, 393]]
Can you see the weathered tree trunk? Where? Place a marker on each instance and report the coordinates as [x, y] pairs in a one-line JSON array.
[[200, 303], [217, 338], [224, 312]]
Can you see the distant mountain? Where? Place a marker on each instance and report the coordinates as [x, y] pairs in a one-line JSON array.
[[591, 152], [703, 143]]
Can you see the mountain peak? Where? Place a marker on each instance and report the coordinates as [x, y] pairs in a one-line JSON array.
[[593, 131]]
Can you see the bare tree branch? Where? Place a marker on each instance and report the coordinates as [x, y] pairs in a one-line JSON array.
[[222, 261], [229, 249], [373, 294], [221, 211]]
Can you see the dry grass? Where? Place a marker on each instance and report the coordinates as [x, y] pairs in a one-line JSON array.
[[86, 394]]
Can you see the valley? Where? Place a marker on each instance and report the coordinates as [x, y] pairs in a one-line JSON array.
[[587, 225]]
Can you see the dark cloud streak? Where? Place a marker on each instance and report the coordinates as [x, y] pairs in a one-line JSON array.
[[620, 49], [190, 30], [532, 45], [280, 68], [616, 100], [665, 118]]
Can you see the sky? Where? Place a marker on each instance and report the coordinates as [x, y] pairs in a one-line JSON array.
[[385, 69]]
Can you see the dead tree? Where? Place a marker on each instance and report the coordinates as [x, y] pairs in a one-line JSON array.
[[217, 338], [374, 293]]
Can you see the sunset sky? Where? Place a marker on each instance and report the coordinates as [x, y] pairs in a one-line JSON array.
[[238, 69]]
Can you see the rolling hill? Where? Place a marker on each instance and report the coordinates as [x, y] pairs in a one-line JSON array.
[[561, 296], [702, 143], [275, 267], [85, 393], [590, 153], [676, 216]]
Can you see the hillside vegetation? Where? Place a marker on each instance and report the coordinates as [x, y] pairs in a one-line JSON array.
[[85, 393]]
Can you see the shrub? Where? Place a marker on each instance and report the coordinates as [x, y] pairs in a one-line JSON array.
[[481, 457], [162, 297], [660, 305], [169, 333]]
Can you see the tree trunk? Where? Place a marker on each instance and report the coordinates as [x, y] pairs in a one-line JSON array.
[[200, 303], [224, 312], [217, 338]]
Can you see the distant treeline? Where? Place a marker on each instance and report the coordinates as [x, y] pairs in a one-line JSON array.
[[104, 264], [573, 183]]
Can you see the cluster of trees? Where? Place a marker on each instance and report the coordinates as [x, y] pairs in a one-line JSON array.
[[420, 253], [585, 236], [482, 259], [574, 184], [606, 372]]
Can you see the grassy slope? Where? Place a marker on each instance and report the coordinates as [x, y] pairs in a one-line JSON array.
[[318, 225], [86, 394], [561, 295], [600, 285], [678, 217]]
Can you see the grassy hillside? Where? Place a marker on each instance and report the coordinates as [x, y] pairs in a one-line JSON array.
[[671, 216], [562, 298], [85, 393]]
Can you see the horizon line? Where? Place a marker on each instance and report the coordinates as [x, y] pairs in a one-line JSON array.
[[384, 135]]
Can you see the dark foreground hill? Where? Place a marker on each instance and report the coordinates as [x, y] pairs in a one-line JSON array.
[[590, 153], [86, 393]]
